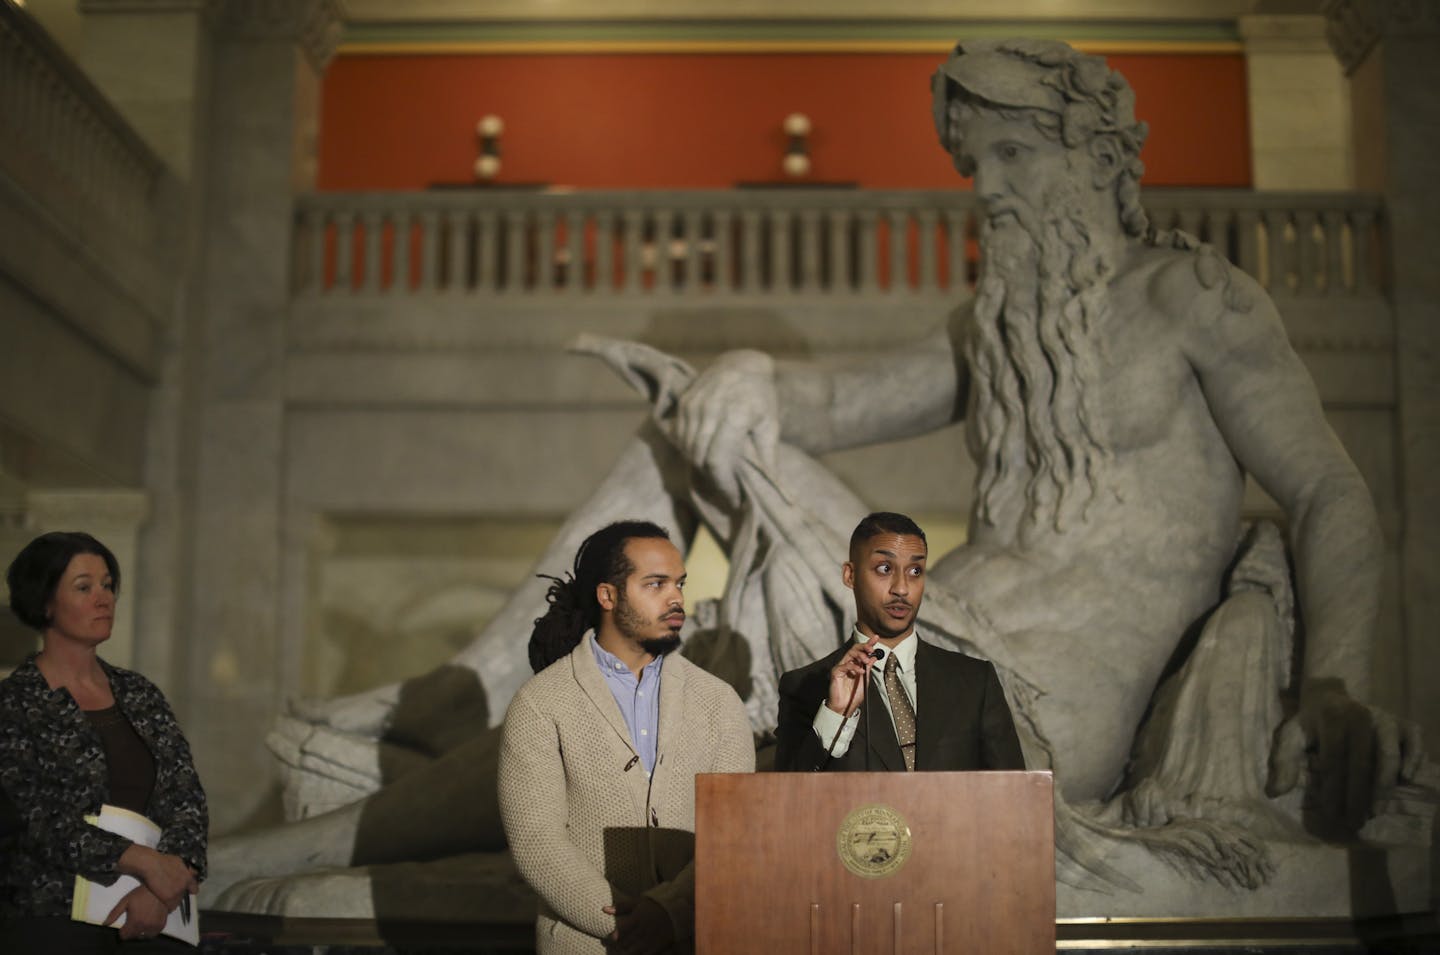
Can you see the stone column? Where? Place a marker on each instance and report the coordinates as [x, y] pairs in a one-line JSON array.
[[1299, 105], [257, 153], [1391, 51]]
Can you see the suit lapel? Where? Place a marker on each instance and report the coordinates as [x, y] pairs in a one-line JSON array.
[[932, 689], [593, 685]]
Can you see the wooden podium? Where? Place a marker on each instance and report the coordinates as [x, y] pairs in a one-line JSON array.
[[869, 863]]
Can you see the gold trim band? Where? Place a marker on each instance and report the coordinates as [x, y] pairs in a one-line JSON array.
[[544, 47]]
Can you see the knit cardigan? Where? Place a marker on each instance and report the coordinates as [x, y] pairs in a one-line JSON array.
[[585, 826]]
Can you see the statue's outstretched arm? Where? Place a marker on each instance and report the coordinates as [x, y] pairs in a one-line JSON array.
[[1268, 411]]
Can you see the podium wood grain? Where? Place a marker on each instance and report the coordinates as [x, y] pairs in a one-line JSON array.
[[980, 876]]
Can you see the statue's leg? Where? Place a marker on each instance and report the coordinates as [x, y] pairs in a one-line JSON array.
[[649, 481], [446, 807], [1204, 751]]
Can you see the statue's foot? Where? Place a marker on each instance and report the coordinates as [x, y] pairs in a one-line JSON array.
[[326, 841], [478, 887]]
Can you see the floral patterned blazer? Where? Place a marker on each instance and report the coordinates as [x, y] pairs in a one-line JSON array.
[[53, 773]]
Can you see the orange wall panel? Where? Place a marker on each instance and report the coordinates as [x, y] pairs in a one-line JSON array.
[[684, 121]]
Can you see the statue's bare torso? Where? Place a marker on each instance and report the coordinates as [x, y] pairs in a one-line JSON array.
[[1095, 611]]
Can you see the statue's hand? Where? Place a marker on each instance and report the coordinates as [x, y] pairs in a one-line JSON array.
[[730, 403], [1355, 753]]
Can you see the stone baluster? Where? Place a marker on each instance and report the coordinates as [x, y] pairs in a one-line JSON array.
[[544, 272], [372, 239], [1332, 223], [749, 250], [430, 244], [929, 258], [691, 223], [1277, 280], [1363, 224], [310, 256], [723, 263], [778, 235], [1307, 253], [487, 251], [344, 252], [517, 250], [455, 252], [1214, 225], [665, 262], [573, 280], [400, 229], [809, 236], [837, 239], [899, 251], [633, 242], [868, 223], [1247, 242], [604, 252]]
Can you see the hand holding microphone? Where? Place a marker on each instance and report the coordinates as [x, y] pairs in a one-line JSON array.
[[849, 676]]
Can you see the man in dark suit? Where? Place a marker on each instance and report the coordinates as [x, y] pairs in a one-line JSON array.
[[930, 708]]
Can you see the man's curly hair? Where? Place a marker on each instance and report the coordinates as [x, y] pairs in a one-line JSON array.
[[574, 609]]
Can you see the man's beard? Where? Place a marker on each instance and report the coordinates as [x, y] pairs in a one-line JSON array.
[[659, 646], [631, 623], [1040, 301]]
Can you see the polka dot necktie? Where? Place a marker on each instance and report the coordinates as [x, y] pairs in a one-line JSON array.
[[901, 709]]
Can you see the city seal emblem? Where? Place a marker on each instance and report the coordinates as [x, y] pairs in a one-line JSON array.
[[873, 841]]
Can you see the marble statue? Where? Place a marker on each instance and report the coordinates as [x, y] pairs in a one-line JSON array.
[[1117, 385]]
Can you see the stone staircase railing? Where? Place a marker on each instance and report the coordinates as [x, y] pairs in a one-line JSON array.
[[90, 211], [768, 242]]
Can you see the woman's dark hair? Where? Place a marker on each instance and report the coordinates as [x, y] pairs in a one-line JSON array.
[[573, 607], [36, 571]]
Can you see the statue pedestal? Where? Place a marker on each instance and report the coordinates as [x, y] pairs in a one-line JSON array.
[[1310, 881]]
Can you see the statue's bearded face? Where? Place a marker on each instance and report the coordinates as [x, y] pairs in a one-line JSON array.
[[1042, 294]]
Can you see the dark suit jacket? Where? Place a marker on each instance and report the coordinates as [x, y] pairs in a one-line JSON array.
[[962, 723]]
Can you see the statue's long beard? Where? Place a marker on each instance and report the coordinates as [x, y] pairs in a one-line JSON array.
[[1040, 300]]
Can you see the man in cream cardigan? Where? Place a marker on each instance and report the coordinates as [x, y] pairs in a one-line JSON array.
[[601, 748]]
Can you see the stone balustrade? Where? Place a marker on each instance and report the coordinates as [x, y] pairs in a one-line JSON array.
[[68, 148], [768, 242]]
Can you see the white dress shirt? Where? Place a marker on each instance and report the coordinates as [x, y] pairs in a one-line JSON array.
[[828, 722]]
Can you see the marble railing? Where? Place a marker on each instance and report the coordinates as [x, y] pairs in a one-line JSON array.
[[747, 242], [68, 148]]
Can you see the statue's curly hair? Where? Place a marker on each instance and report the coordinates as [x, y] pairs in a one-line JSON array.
[[1084, 101], [574, 608]]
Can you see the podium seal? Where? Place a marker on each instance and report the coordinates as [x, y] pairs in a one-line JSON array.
[[873, 841]]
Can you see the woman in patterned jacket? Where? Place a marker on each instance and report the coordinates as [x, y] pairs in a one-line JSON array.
[[76, 733]]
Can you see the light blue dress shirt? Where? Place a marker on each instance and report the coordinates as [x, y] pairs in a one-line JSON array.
[[637, 697]]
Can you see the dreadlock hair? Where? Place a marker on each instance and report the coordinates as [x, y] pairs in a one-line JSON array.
[[884, 522], [573, 607]]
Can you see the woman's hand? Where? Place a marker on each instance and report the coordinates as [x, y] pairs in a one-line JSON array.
[[144, 914], [167, 877]]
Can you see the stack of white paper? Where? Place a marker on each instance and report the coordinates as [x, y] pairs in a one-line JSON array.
[[94, 901]]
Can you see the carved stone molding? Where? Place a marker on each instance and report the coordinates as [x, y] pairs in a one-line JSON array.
[[315, 25], [1355, 26], [143, 6]]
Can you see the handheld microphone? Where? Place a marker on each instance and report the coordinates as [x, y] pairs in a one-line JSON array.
[[877, 655]]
